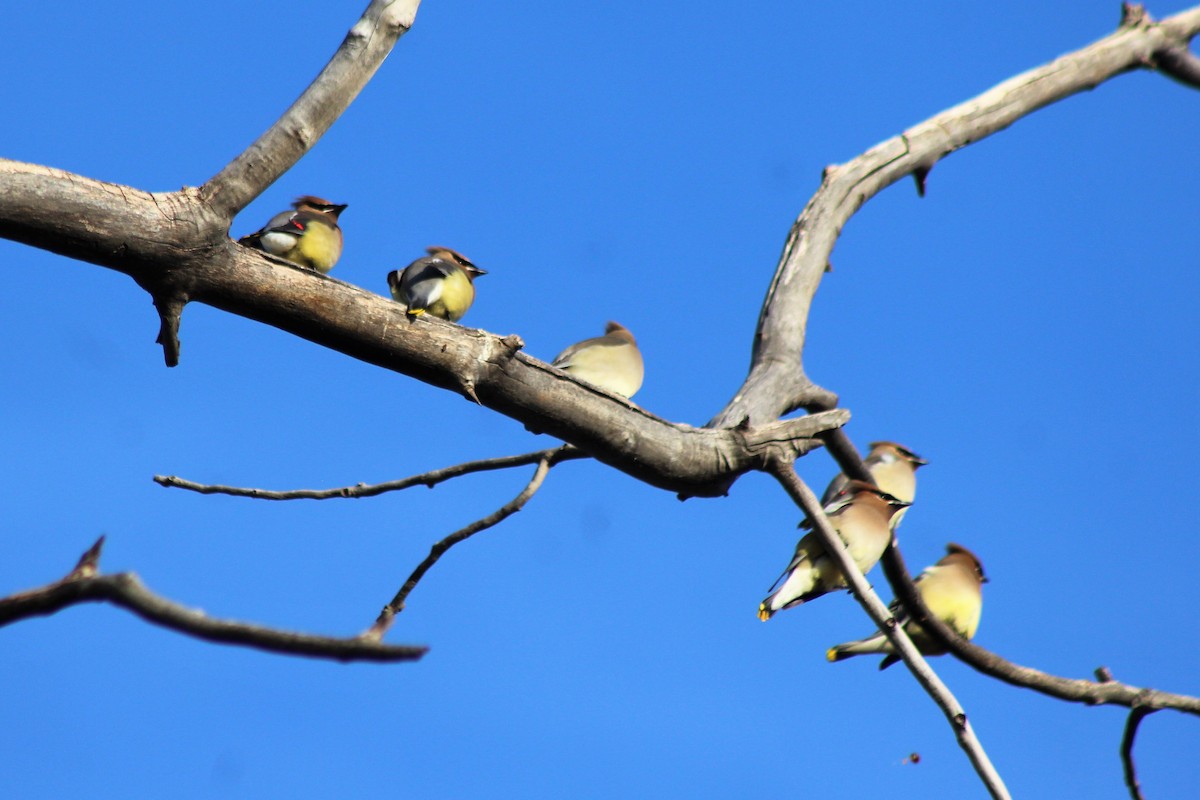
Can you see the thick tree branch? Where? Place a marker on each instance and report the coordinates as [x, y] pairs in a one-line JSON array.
[[124, 589], [784, 472], [175, 246], [776, 383], [491, 370], [1106, 692], [555, 455], [331, 92], [167, 259], [155, 237], [388, 615]]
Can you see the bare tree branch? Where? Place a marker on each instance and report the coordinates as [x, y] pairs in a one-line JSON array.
[[1175, 62], [327, 97], [777, 383], [388, 615], [1131, 726], [555, 455], [175, 245], [124, 589], [166, 257], [1101, 692], [784, 471], [1179, 63]]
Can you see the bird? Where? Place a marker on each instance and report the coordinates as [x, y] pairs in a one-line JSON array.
[[440, 284], [308, 236], [894, 468], [862, 520], [952, 590], [611, 361]]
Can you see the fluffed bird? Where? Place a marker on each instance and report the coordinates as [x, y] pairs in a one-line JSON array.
[[862, 521], [611, 361], [441, 284], [308, 236], [894, 468], [952, 590]]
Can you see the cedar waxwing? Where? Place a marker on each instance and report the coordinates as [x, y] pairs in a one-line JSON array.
[[308, 236], [952, 590], [441, 284], [611, 361], [863, 523], [894, 468]]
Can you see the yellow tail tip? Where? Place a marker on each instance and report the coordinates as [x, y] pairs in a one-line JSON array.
[[831, 654], [763, 613]]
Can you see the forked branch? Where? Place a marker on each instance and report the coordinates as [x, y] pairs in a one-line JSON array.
[[84, 584], [388, 615], [784, 472], [777, 383], [1106, 692]]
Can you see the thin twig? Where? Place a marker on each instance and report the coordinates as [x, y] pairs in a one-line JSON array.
[[1131, 726], [388, 615], [125, 589], [1099, 692], [170, 313], [1179, 63], [785, 472], [556, 455]]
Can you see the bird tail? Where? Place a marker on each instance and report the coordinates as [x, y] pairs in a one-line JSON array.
[[772, 606], [837, 653], [872, 644], [796, 586]]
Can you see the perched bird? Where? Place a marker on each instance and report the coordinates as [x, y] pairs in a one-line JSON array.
[[894, 468], [441, 284], [952, 589], [611, 361], [308, 236], [862, 521]]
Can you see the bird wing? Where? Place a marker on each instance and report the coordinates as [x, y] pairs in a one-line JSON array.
[[807, 548], [563, 359], [425, 284], [897, 609]]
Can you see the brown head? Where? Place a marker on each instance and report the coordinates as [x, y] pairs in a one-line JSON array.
[[619, 331], [861, 491], [900, 451], [455, 257], [957, 554], [320, 205]]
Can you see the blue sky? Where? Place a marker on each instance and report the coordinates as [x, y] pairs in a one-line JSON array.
[[1029, 327]]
